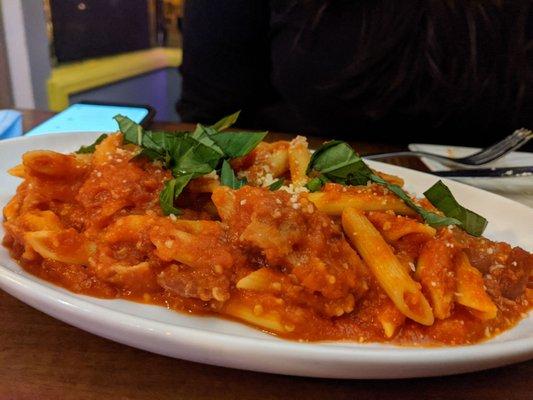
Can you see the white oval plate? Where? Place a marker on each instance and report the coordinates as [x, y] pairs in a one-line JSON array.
[[518, 188], [220, 342]]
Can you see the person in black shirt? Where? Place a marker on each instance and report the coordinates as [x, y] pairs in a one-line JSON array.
[[449, 71]]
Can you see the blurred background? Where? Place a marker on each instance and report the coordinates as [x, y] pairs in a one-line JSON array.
[[54, 53]]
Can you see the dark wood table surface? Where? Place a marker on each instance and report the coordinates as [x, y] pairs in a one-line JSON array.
[[43, 358]]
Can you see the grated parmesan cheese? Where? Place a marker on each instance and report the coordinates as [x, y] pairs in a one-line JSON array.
[[293, 189], [212, 175]]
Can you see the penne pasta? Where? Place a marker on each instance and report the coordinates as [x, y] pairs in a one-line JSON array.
[[261, 280], [198, 227], [197, 251], [390, 318], [11, 210], [265, 163], [278, 161], [404, 292], [49, 164], [256, 315], [17, 171], [394, 227], [131, 277], [40, 221], [334, 203], [106, 150], [435, 272], [128, 229], [470, 290], [66, 246], [299, 157], [224, 200]]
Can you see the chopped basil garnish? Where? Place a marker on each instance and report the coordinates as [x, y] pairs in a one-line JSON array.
[[228, 178], [238, 144], [441, 197], [171, 192], [191, 154], [203, 135], [92, 147], [276, 185], [428, 216], [336, 161], [226, 122], [132, 131], [316, 183]]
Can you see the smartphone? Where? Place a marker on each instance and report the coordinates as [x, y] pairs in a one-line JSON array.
[[93, 117]]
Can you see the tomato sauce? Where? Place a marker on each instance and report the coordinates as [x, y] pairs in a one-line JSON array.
[[269, 259]]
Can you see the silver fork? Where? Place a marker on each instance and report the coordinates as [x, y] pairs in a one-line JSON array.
[[512, 142]]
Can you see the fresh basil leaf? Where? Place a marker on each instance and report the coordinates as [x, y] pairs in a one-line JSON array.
[[193, 157], [203, 135], [151, 150], [320, 152], [238, 144], [276, 185], [231, 144], [160, 141], [155, 145], [185, 153], [132, 131], [226, 122], [150, 154], [337, 161], [441, 197], [316, 183], [431, 218], [92, 147], [171, 192], [228, 178], [191, 154]]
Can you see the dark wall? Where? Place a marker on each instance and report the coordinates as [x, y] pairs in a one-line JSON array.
[[92, 28]]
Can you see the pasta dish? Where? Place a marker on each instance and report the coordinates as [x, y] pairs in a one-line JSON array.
[[304, 245]]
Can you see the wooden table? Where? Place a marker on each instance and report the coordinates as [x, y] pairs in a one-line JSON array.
[[42, 358]]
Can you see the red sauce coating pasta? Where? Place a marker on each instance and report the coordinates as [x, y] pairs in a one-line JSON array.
[[272, 259]]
